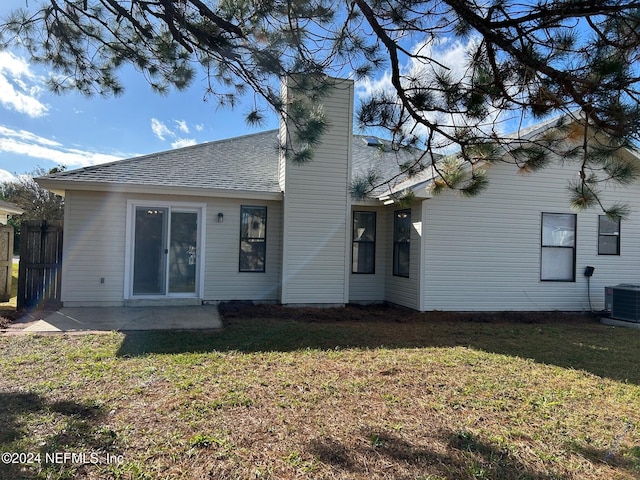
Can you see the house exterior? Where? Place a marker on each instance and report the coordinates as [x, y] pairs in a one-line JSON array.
[[8, 210], [236, 220]]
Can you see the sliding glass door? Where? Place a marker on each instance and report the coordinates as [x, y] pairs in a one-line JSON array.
[[183, 236], [165, 251], [149, 264]]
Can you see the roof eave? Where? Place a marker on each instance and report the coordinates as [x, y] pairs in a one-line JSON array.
[[60, 186], [366, 202], [12, 211], [421, 191]]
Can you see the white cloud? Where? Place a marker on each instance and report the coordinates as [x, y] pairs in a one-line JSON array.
[[160, 129], [163, 132], [14, 65], [19, 87], [182, 126], [183, 142], [21, 142], [29, 137], [6, 176], [199, 127], [451, 53], [368, 87]]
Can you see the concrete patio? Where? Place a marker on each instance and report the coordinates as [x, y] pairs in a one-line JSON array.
[[107, 319]]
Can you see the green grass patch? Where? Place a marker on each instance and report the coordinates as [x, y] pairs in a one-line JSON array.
[[400, 395]]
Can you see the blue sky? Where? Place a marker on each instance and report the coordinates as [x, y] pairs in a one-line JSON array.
[[41, 129]]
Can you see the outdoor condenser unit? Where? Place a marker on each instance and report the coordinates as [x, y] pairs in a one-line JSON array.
[[623, 301]]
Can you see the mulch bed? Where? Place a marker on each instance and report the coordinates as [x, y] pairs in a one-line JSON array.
[[385, 313], [9, 315]]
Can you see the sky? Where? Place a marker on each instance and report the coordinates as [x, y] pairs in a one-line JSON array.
[[42, 129], [39, 129]]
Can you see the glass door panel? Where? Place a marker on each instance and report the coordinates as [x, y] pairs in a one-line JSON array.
[[149, 264], [183, 247]]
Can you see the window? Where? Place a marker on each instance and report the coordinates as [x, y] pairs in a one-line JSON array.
[[558, 241], [253, 236], [401, 242], [164, 245], [608, 235], [363, 251]]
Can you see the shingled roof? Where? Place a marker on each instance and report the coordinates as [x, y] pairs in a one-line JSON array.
[[10, 208], [246, 164]]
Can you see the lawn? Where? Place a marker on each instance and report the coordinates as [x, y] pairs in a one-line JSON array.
[[353, 393]]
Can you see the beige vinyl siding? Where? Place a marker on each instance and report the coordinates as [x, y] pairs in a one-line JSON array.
[[317, 212], [402, 290], [223, 280], [364, 288], [282, 140], [93, 249], [483, 253]]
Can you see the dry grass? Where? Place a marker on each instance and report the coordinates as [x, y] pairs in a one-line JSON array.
[[353, 393]]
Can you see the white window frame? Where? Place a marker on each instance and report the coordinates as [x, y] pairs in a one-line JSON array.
[[562, 241], [356, 241], [615, 235], [263, 239], [401, 242], [132, 204]]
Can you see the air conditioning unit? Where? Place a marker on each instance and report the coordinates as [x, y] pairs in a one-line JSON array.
[[623, 301]]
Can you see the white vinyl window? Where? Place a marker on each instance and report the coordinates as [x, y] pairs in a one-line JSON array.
[[401, 242], [558, 247], [608, 235], [253, 238], [363, 249]]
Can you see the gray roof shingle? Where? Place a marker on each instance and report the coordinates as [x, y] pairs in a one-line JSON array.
[[249, 162], [246, 163], [6, 207]]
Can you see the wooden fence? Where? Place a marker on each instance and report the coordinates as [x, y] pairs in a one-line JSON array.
[[6, 261], [40, 270]]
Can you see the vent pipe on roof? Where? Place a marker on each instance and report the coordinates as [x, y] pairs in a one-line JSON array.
[[373, 142]]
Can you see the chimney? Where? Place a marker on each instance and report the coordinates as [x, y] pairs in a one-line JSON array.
[[317, 203]]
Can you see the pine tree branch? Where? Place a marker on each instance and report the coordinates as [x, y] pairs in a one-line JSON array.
[[392, 48]]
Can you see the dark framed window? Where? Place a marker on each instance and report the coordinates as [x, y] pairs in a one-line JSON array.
[[363, 249], [253, 238], [608, 235], [401, 242], [558, 247]]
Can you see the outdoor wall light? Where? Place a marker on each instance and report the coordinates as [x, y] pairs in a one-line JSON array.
[[220, 217]]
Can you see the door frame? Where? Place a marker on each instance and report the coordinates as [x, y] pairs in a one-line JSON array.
[[200, 209]]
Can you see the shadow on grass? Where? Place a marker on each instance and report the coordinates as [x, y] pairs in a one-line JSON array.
[[628, 459], [565, 340], [75, 428], [466, 457]]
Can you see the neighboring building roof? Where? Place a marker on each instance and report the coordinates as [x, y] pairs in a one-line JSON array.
[[10, 208], [246, 164]]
